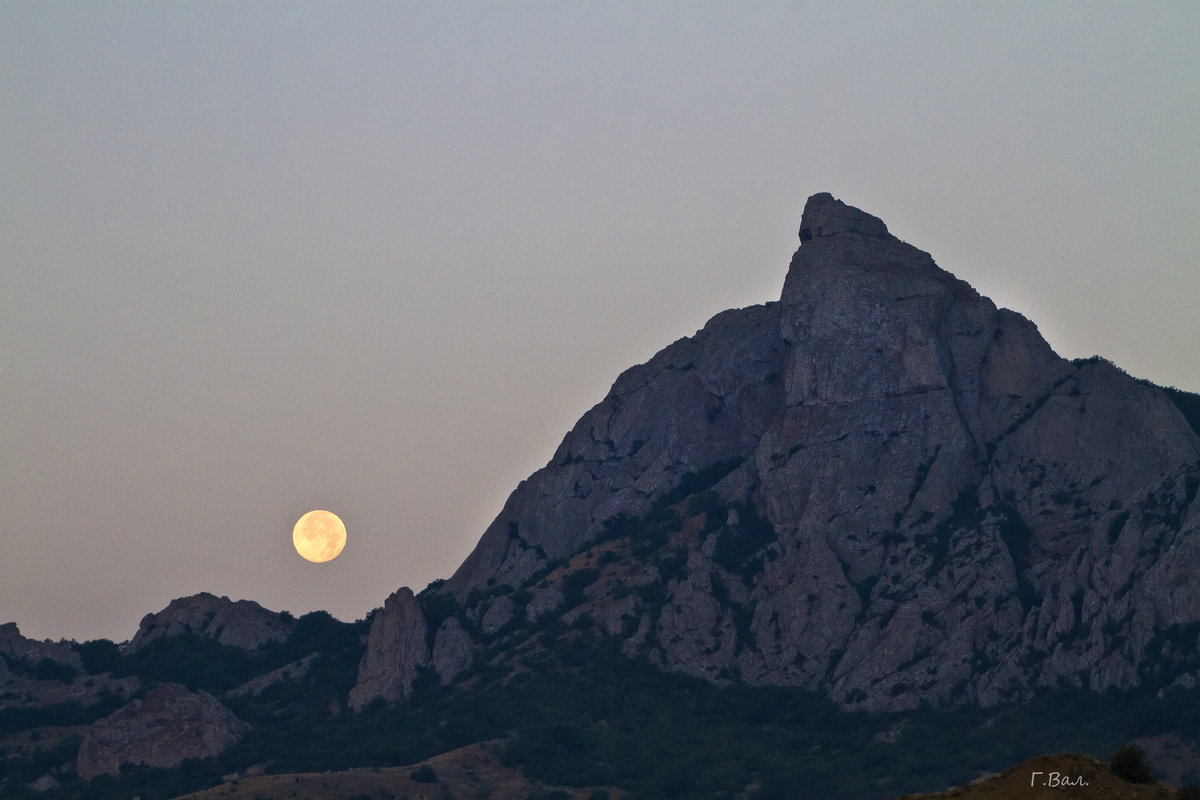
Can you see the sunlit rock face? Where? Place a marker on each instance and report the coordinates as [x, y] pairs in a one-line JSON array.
[[886, 489], [239, 623], [162, 729]]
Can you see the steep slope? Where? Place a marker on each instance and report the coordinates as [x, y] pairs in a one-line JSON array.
[[881, 487]]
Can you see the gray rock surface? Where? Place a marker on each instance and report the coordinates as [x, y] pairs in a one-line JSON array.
[[162, 729], [240, 623], [453, 651], [914, 499], [45, 783], [397, 649]]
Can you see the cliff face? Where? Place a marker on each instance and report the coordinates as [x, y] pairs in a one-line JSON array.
[[881, 487]]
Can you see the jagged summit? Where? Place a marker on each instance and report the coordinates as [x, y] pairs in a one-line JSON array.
[[881, 487], [824, 215]]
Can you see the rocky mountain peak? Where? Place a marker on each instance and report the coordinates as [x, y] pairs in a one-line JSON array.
[[824, 215], [881, 487]]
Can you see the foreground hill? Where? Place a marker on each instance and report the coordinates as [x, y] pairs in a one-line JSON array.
[[1058, 777], [475, 771]]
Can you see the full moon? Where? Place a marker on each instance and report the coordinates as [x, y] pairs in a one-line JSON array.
[[319, 536]]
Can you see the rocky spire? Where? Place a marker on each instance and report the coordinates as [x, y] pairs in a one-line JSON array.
[[396, 651]]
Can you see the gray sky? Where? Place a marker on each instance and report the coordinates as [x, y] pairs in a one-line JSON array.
[[378, 258]]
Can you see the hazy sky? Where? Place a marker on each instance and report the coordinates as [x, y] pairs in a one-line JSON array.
[[258, 258]]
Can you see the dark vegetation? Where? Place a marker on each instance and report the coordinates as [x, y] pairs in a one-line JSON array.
[[17, 719], [424, 774], [1129, 764], [700, 480], [582, 714]]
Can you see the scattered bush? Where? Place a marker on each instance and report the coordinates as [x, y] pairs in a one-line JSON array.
[[575, 582], [1129, 764], [424, 774], [700, 480], [99, 655], [738, 547], [50, 670]]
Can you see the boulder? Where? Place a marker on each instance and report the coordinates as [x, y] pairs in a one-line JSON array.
[[162, 729]]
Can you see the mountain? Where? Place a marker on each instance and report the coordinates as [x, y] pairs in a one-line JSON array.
[[810, 551], [881, 487]]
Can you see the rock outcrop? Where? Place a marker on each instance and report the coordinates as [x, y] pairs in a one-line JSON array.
[[167, 726], [882, 487], [453, 651], [19, 650], [396, 651], [241, 623]]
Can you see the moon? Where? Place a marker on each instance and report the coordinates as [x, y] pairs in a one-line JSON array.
[[319, 536]]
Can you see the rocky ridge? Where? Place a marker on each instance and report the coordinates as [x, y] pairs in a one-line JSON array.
[[241, 623], [881, 487]]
